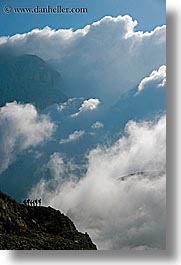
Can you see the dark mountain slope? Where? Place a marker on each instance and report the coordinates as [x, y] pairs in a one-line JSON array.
[[23, 227], [146, 105], [29, 79]]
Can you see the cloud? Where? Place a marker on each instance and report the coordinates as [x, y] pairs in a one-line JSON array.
[[119, 214], [66, 104], [90, 104], [72, 137], [156, 79], [21, 127], [97, 125], [56, 166], [100, 60]]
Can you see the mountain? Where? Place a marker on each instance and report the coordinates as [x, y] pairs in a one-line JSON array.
[[141, 105], [148, 104], [26, 227], [29, 79]]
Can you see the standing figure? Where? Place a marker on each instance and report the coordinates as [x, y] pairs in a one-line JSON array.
[[36, 202], [25, 203], [28, 202], [39, 201]]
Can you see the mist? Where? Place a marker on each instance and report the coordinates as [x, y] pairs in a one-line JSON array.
[[117, 214]]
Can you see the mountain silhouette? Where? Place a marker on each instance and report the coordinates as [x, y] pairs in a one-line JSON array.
[[38, 227], [29, 79]]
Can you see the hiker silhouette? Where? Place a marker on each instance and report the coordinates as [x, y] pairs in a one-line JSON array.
[[39, 201], [36, 202], [29, 202]]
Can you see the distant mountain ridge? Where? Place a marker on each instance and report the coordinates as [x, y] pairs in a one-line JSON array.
[[29, 79], [26, 228]]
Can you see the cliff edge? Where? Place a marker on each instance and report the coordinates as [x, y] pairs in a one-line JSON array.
[[25, 227]]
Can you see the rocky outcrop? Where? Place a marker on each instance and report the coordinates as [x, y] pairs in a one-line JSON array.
[[29, 79], [23, 227]]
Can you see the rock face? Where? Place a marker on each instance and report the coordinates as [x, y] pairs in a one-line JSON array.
[[29, 79], [39, 228]]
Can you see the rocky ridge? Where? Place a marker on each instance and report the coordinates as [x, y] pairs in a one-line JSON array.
[[27, 228]]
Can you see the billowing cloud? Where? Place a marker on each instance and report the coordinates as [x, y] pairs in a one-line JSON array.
[[72, 137], [90, 104], [101, 60], [97, 125], [156, 79], [21, 127], [119, 214]]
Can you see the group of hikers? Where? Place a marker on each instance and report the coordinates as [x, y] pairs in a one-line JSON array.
[[29, 202]]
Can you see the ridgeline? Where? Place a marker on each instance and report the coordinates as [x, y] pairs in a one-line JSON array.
[[26, 228]]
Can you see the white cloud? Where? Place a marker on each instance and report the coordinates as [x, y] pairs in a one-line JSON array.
[[90, 104], [101, 60], [66, 104], [72, 137], [97, 125], [156, 79], [21, 127], [119, 214]]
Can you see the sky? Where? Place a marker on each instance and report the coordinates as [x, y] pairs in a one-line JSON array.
[[149, 14]]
